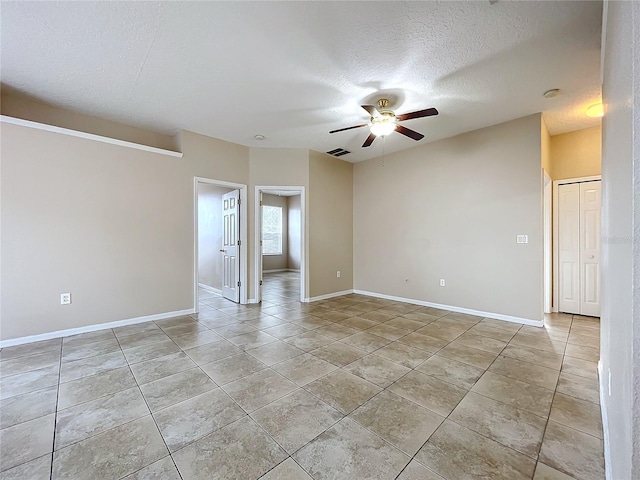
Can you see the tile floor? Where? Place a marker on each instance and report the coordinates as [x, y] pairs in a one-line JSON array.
[[347, 388]]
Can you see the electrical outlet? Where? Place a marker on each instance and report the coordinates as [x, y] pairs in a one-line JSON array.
[[442, 282], [522, 238], [65, 298], [338, 274]]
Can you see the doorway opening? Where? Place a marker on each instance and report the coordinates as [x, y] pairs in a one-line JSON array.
[[220, 240], [280, 244]]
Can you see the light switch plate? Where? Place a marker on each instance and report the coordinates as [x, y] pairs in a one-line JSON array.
[[522, 238]]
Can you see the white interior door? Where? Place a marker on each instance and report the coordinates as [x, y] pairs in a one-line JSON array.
[[590, 195], [230, 246], [569, 248]]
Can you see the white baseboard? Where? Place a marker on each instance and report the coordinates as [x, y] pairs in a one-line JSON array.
[[92, 328], [328, 295], [251, 300], [209, 288], [605, 424], [276, 270], [469, 311]]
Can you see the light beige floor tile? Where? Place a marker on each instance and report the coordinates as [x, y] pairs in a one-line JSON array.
[[161, 470], [336, 331], [232, 368], [513, 428], [77, 352], [33, 348], [377, 370], [405, 323], [196, 339], [366, 341], [251, 340], [312, 322], [77, 423], [15, 366], [167, 323], [89, 337], [387, 331], [469, 355], [287, 470], [578, 414], [539, 343], [582, 368], [443, 331], [241, 450], [22, 383], [491, 332], [376, 316], [480, 342], [151, 351], [285, 330], [89, 388], [579, 387], [160, 367], [421, 317], [525, 396], [545, 472], [176, 388], [528, 372], [423, 342], [533, 355], [112, 454], [308, 341], [38, 469], [343, 390], [187, 421], [338, 353], [402, 354], [349, 451], [229, 331], [134, 329], [142, 338], [546, 332], [259, 389], [455, 452], [296, 419], [275, 352], [28, 406], [587, 331], [451, 371], [304, 369], [501, 324], [26, 441], [91, 366], [400, 422], [417, 471], [585, 353], [573, 452], [436, 395]]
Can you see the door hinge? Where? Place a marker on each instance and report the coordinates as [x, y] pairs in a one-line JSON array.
[[260, 202], [260, 282], [239, 201], [238, 242], [238, 283]]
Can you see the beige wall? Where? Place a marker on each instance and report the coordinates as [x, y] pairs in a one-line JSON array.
[[576, 154], [331, 225], [452, 209], [278, 262], [111, 225], [210, 234], [275, 167], [293, 233], [27, 109], [545, 147], [620, 313]]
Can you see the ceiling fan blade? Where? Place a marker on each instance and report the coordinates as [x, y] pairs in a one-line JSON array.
[[348, 128], [419, 114], [409, 133], [369, 140], [371, 110]]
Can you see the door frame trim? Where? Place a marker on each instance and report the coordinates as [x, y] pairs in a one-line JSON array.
[[304, 271], [243, 235], [556, 225]]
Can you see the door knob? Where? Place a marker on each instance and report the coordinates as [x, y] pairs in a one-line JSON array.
[[592, 256], [222, 250]]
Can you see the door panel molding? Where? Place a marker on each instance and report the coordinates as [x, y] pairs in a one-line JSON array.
[[555, 200]]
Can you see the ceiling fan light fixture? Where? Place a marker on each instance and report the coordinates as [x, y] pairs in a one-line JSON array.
[[383, 125]]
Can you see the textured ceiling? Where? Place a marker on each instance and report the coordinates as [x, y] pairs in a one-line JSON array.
[[292, 71]]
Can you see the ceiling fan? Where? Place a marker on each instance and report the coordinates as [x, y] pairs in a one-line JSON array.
[[384, 121]]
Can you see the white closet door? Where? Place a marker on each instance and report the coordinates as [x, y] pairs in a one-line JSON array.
[[569, 248], [590, 248]]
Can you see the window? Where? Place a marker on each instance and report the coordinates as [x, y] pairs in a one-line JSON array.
[[271, 230]]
